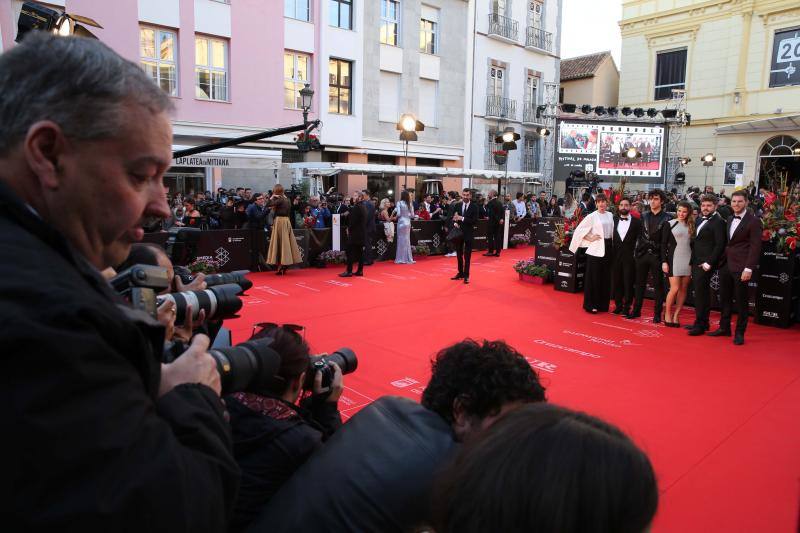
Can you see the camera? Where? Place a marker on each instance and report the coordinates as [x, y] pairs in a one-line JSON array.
[[237, 277], [345, 358], [219, 302], [139, 284]]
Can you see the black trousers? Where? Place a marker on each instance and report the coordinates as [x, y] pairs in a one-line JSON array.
[[463, 256], [645, 265], [701, 281], [731, 286], [597, 283], [495, 238], [368, 240], [355, 254], [623, 276]]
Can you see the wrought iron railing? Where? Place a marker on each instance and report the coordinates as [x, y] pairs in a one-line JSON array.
[[537, 38], [530, 162], [529, 114], [503, 26], [499, 107]]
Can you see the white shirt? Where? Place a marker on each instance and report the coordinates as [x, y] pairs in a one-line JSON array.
[[519, 205], [623, 226], [735, 223]]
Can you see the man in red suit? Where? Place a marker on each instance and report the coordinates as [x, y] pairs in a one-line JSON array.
[[740, 261]]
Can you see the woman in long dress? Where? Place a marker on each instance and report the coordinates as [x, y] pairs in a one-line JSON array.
[[404, 213], [676, 255], [283, 250], [595, 232]]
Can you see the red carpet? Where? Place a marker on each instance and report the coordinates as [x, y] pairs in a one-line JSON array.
[[721, 423]]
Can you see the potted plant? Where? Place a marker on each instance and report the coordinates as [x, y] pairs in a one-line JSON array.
[[204, 265], [780, 222], [530, 272], [422, 250], [306, 143], [500, 156], [517, 240], [333, 257]]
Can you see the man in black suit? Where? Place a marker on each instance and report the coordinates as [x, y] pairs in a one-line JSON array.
[[497, 216], [709, 245], [369, 236], [741, 258], [623, 266], [356, 236], [648, 254], [465, 215]]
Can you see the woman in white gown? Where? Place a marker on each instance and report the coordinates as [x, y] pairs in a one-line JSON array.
[[405, 212]]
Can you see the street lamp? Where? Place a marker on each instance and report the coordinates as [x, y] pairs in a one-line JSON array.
[[408, 125], [306, 98], [509, 138], [708, 161]]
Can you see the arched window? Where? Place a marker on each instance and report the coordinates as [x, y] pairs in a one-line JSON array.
[[782, 145]]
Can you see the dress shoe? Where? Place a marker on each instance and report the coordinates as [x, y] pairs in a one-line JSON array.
[[488, 255], [466, 281], [690, 326], [720, 333], [617, 311], [668, 324], [457, 276], [696, 332], [631, 316], [656, 320], [346, 275], [358, 273], [738, 339]]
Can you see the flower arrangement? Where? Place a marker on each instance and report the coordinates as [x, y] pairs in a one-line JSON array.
[[309, 221], [204, 265], [500, 156], [529, 267], [780, 218], [617, 193], [566, 229], [518, 240], [423, 214], [307, 142], [333, 257], [421, 249], [301, 137]]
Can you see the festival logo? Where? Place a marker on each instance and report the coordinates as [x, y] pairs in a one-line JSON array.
[[404, 382], [222, 256]]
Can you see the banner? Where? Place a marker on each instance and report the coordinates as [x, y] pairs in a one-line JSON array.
[[230, 248], [546, 256], [319, 240], [779, 287], [430, 232], [734, 173], [524, 228], [570, 271], [546, 230]]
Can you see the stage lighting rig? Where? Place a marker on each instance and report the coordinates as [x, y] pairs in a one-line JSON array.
[[599, 111], [569, 108], [586, 109], [613, 111], [33, 16], [652, 112], [669, 113], [627, 111], [638, 112]]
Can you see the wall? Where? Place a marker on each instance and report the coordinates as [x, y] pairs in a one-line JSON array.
[[606, 85], [579, 92]]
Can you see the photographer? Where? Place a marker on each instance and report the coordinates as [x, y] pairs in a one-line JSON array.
[[272, 434], [103, 438]]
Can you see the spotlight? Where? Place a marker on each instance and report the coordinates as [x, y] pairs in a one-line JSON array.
[[409, 126], [638, 112], [586, 109], [509, 138], [652, 112], [685, 160], [33, 16], [613, 111], [539, 110], [568, 108], [688, 119], [680, 177], [669, 113], [627, 111], [708, 159], [544, 132], [599, 110]]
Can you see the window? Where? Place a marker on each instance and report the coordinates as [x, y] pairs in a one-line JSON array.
[[535, 12], [340, 13], [389, 97], [531, 88], [296, 68], [211, 68], [390, 21], [428, 90], [670, 73], [429, 30], [560, 95], [297, 9], [496, 84], [500, 7], [340, 93], [157, 51], [785, 58], [531, 154]]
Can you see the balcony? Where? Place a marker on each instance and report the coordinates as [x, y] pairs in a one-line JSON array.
[[529, 114], [499, 107], [530, 162], [540, 39], [488, 161], [503, 27]]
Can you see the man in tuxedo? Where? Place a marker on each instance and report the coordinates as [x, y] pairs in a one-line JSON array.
[[356, 236], [740, 261], [497, 216], [465, 215], [623, 266], [648, 254], [369, 236], [709, 245]]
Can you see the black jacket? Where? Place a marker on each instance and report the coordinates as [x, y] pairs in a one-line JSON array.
[[649, 242], [709, 244], [370, 208], [374, 474], [470, 219], [90, 445], [624, 249], [269, 446], [357, 224], [496, 211]]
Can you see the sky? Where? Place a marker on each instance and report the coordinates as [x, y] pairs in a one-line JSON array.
[[590, 26]]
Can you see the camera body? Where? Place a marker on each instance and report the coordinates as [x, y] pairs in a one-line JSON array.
[[345, 359]]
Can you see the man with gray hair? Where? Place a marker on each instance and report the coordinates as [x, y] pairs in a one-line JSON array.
[[103, 436]]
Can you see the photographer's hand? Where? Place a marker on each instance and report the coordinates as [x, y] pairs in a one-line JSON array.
[[184, 332], [195, 365], [166, 316], [197, 284], [337, 384]]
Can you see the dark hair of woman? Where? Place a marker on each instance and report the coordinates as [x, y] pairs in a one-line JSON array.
[[547, 469], [601, 197], [294, 354], [689, 216], [405, 197]]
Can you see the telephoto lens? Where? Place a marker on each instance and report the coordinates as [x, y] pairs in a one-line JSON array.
[[237, 277], [220, 302], [247, 367], [345, 358]]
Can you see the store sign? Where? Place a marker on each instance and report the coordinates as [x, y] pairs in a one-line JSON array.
[[207, 160], [785, 69]]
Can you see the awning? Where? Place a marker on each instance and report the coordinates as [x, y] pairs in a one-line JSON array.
[[318, 168], [778, 124], [231, 157]]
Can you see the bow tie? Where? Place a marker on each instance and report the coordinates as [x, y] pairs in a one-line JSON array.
[[737, 216], [623, 218], [706, 218]]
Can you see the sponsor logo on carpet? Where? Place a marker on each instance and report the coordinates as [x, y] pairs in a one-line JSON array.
[[544, 366], [591, 338], [567, 349], [404, 382], [270, 290]]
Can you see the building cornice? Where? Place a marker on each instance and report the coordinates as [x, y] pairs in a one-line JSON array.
[[675, 20]]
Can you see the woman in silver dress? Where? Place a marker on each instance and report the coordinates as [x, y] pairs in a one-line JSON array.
[[676, 254], [405, 211]]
